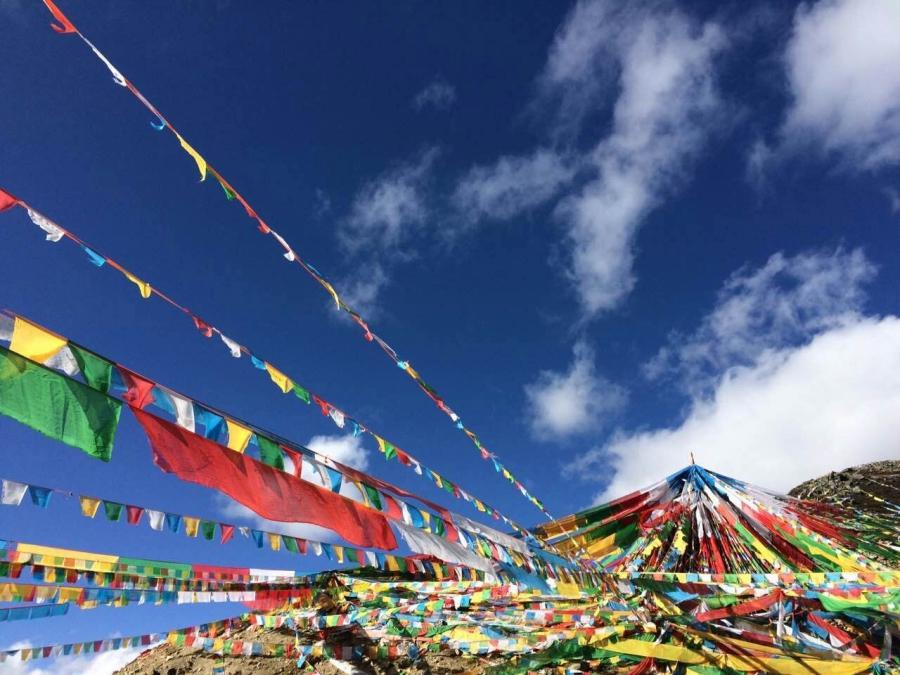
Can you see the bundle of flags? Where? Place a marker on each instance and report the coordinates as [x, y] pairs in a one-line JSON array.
[[700, 521]]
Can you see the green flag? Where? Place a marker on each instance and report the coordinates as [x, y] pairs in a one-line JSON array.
[[97, 371], [270, 453], [57, 406]]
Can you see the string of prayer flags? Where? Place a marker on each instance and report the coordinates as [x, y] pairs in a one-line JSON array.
[[140, 394], [143, 394], [289, 254]]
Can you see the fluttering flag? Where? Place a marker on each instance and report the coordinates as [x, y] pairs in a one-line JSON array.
[[227, 532], [34, 342], [54, 231], [133, 514], [201, 163], [94, 257], [238, 436], [89, 506], [65, 26], [113, 510], [233, 346], [12, 493], [58, 406], [142, 285], [191, 526], [96, 371], [280, 379], [139, 390], [7, 201], [156, 519], [271, 493]]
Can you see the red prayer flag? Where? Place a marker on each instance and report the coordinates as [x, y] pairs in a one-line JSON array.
[[270, 492], [202, 326], [67, 26], [7, 201], [227, 532], [134, 514], [140, 390]]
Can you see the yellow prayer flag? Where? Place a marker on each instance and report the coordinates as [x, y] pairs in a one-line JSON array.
[[142, 285], [89, 506], [34, 342], [339, 552], [191, 526], [201, 163], [238, 436], [281, 380], [275, 541], [330, 289]]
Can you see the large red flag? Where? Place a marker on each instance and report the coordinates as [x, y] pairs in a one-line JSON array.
[[271, 493]]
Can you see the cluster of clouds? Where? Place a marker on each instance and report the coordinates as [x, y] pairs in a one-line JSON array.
[[629, 99]]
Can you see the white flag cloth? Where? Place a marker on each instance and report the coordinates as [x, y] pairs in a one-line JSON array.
[[12, 492], [54, 231], [491, 534], [157, 519], [448, 551], [184, 409], [117, 76], [233, 346], [65, 361], [337, 417]]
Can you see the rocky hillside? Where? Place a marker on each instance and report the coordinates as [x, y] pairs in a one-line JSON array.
[[873, 488]]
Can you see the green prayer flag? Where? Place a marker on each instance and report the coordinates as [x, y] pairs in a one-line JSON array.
[[390, 451], [58, 406], [96, 370], [290, 543], [374, 497], [270, 453], [208, 529], [301, 393], [113, 510]]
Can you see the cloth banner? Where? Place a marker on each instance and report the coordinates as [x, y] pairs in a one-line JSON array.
[[58, 406], [271, 493]]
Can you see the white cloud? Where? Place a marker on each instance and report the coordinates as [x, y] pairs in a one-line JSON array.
[[512, 185], [667, 104], [361, 289], [576, 401], [387, 210], [438, 94], [104, 663], [842, 73], [781, 304], [344, 449], [795, 414]]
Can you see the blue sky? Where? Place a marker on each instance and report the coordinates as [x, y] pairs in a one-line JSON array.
[[609, 237]]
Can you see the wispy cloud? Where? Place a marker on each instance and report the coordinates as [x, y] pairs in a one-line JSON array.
[[387, 210], [382, 227], [576, 401], [781, 304], [438, 94], [844, 84], [668, 102], [653, 69], [512, 185], [783, 372]]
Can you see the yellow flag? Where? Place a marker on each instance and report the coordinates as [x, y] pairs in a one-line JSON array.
[[142, 285], [191, 526], [275, 541], [201, 163], [34, 342], [89, 506], [281, 380], [238, 436]]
